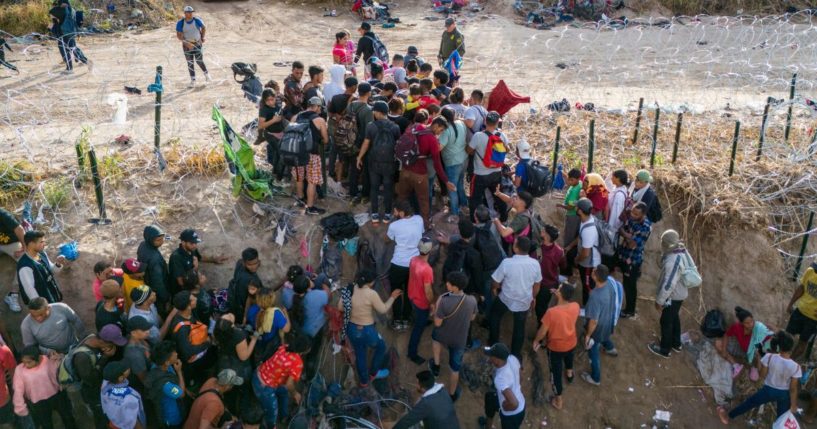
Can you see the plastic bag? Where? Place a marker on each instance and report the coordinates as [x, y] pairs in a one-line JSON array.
[[786, 421]]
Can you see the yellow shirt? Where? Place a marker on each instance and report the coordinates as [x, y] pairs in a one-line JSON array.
[[129, 284], [807, 304]]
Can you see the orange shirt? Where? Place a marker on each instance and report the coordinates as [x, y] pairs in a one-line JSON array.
[[208, 406], [561, 323]]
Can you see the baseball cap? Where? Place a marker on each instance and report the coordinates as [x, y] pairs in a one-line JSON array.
[[115, 369], [188, 8], [380, 106], [140, 294], [643, 176], [499, 351], [364, 88], [113, 334], [228, 377], [315, 101], [584, 205], [139, 323], [524, 148], [132, 266], [493, 117], [190, 235], [425, 246], [449, 21]]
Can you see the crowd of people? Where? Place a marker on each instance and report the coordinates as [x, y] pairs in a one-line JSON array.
[[169, 350]]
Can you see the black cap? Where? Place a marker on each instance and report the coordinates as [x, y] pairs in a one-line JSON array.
[[139, 323], [364, 88], [380, 106], [412, 50], [114, 370], [499, 351], [190, 236]]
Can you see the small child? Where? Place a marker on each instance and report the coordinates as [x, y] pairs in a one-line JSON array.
[[4, 44], [572, 220], [521, 170]]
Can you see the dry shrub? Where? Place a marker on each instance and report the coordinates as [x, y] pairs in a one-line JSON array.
[[181, 160], [15, 181], [716, 7], [24, 17]]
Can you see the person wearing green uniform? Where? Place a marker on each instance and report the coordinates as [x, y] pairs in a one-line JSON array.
[[571, 217]]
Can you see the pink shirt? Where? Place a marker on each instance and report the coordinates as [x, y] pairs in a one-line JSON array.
[[35, 384], [98, 284]]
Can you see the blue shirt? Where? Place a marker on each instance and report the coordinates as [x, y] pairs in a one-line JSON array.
[[314, 316], [641, 232], [172, 413], [522, 173]]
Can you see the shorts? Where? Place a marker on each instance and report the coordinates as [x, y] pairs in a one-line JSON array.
[[311, 172], [801, 325], [455, 354]]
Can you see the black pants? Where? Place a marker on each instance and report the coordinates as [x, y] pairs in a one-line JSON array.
[[41, 411], [542, 302], [559, 361], [90, 394], [194, 55], [357, 176], [3, 61], [588, 284], [631, 273], [381, 174], [491, 407], [398, 279], [671, 326], [273, 157], [480, 184], [498, 309], [70, 52]]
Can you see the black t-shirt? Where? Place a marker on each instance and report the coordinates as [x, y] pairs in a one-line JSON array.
[[401, 122], [316, 133], [338, 103], [235, 338], [105, 317], [7, 226], [180, 263], [268, 113], [441, 90], [58, 14]]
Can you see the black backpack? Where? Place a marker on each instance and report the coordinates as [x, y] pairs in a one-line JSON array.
[[245, 70], [714, 324], [379, 50], [484, 242], [455, 260], [339, 226], [382, 148], [297, 142], [539, 179], [655, 212]]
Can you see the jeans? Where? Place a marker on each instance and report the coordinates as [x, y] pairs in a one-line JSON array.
[[90, 394], [478, 186], [487, 295], [417, 184], [456, 174], [355, 176], [398, 279], [363, 338], [595, 361], [631, 274], [420, 323], [41, 411], [381, 174], [498, 309], [559, 361], [272, 399], [765, 395], [671, 326], [194, 55]]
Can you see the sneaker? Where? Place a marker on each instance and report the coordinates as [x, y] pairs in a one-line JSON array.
[[279, 183], [482, 421], [207, 77], [678, 349], [375, 218], [66, 71], [13, 302], [387, 218], [629, 316], [457, 394], [383, 373], [315, 211], [299, 203], [612, 352], [589, 379], [434, 368], [192, 83], [656, 349], [90, 65], [417, 360]]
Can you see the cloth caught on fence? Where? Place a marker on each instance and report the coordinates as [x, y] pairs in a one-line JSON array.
[[241, 160], [503, 99]]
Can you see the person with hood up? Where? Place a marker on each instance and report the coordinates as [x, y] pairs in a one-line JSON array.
[[671, 293], [365, 47], [156, 270], [337, 73]]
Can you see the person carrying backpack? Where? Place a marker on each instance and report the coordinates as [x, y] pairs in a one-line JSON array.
[[311, 172], [671, 293], [488, 243], [191, 337], [368, 47], [643, 192], [64, 26], [489, 148], [525, 224], [381, 137], [84, 363], [589, 256], [361, 116], [190, 31]]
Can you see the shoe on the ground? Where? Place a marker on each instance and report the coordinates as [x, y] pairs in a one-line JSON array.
[[570, 377], [279, 183], [457, 394], [612, 352], [629, 316], [68, 71], [375, 218], [383, 373], [192, 83], [13, 302], [678, 349], [434, 368], [315, 211], [589, 379], [417, 360], [387, 218], [656, 349]]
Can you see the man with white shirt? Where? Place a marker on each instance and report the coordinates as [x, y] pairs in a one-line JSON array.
[[35, 271], [589, 256], [406, 233], [507, 398], [516, 283], [487, 174]]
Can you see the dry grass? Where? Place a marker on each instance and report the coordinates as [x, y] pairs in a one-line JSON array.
[[717, 7], [23, 17], [15, 182], [182, 160]]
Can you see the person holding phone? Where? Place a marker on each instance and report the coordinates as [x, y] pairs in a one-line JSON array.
[[35, 271]]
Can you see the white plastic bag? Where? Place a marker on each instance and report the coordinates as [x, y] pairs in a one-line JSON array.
[[786, 421]]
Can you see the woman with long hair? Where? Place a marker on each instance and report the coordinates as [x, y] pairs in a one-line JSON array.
[[343, 51], [271, 322]]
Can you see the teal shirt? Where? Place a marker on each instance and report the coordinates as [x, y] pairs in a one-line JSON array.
[[452, 149]]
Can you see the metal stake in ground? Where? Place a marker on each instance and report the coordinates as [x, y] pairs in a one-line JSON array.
[[157, 127], [677, 136], [591, 143], [763, 129], [638, 119], [791, 104], [100, 201], [654, 136], [803, 247], [555, 154], [734, 148], [81, 165]]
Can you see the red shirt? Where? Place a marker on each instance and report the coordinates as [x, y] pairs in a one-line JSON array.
[[553, 258], [427, 100], [736, 330], [281, 366], [429, 147], [420, 274], [7, 364]]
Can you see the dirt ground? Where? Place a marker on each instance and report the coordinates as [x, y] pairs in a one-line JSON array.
[[43, 110]]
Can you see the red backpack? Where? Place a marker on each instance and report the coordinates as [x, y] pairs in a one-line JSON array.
[[407, 149], [495, 151]]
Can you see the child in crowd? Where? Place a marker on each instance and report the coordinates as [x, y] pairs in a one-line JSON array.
[[133, 276], [521, 171], [103, 271]]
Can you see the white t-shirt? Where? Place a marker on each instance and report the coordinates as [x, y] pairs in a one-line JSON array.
[[507, 377], [479, 142], [781, 371], [517, 275], [589, 239], [406, 235], [476, 114], [615, 205]]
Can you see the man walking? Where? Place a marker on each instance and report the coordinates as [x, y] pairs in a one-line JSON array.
[[453, 314], [600, 315], [64, 28], [671, 293], [452, 40], [366, 48], [434, 408], [487, 175], [516, 283], [190, 31], [35, 271], [381, 137], [634, 233], [311, 173]]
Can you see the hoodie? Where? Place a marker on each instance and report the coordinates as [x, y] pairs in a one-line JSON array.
[[365, 47], [336, 86], [156, 272]]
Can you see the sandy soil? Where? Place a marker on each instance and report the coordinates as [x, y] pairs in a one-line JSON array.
[[42, 112]]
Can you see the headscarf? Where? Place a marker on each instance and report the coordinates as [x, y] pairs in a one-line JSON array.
[[596, 191], [670, 240]]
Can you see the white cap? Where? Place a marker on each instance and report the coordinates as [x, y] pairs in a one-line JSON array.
[[523, 147], [188, 9]]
